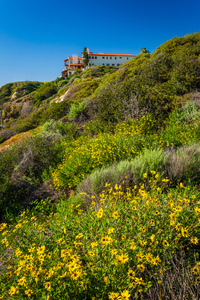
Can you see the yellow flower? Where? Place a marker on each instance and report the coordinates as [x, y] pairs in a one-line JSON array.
[[195, 269], [94, 244], [18, 225], [197, 210], [114, 251], [76, 274], [115, 215], [106, 240], [48, 285], [123, 258], [100, 213], [141, 268], [114, 296], [106, 280], [40, 250], [152, 237], [184, 232], [143, 243], [12, 290], [91, 253], [3, 226], [18, 252], [110, 230], [125, 295], [145, 175], [80, 235], [165, 243], [131, 274], [139, 281], [22, 281], [29, 292], [194, 240]]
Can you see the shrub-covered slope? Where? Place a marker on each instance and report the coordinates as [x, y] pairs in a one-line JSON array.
[[106, 164]]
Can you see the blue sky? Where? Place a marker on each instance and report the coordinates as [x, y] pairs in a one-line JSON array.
[[36, 35]]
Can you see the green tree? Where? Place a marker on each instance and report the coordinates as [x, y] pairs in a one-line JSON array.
[[144, 50], [85, 57]]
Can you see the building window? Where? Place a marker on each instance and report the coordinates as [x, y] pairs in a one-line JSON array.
[[103, 64], [113, 65], [95, 57], [89, 57], [110, 57], [93, 64], [103, 57], [118, 65], [120, 57], [108, 65], [92, 57], [127, 58], [107, 57], [90, 65], [115, 57]]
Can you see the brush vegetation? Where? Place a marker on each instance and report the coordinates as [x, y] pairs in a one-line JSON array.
[[99, 181]]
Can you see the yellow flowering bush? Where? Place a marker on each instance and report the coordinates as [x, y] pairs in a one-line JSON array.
[[113, 249]]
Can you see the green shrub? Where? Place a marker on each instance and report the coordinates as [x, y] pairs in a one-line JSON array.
[[149, 160], [76, 110], [56, 111], [184, 165], [45, 91], [22, 167]]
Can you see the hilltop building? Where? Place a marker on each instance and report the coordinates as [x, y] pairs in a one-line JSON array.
[[72, 63], [76, 63]]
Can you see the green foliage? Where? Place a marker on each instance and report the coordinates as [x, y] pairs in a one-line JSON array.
[[144, 50], [56, 111], [85, 57], [20, 88], [87, 153], [45, 91], [76, 110], [21, 169], [66, 129], [98, 71], [5, 92], [110, 106]]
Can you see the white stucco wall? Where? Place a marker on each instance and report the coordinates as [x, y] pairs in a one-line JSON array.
[[108, 60]]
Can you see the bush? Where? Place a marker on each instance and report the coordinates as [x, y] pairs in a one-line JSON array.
[[184, 165], [56, 111], [21, 169], [125, 173], [76, 110], [45, 91], [124, 247]]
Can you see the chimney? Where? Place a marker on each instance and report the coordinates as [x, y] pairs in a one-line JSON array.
[[75, 58]]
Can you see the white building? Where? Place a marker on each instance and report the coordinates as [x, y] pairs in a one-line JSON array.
[[72, 64], [105, 59], [75, 63]]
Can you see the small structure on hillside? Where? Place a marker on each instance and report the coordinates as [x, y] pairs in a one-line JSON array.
[[75, 63]]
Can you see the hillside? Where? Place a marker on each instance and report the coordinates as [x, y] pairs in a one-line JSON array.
[[100, 180]]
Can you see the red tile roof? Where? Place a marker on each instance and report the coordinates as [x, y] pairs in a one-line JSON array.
[[104, 54]]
